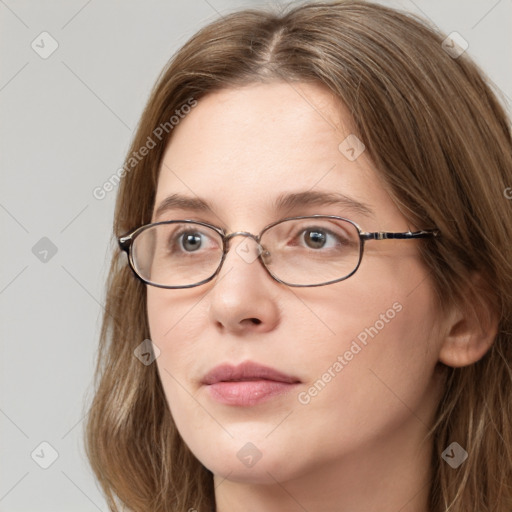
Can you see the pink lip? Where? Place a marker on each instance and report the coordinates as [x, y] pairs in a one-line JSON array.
[[246, 384]]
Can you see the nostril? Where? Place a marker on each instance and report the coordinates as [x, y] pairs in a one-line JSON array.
[[256, 321]]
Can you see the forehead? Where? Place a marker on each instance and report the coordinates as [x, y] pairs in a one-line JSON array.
[[241, 150]]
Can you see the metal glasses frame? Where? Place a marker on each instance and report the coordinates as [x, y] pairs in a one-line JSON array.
[[126, 244]]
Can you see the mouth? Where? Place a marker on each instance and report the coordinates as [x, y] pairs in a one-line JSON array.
[[247, 384]]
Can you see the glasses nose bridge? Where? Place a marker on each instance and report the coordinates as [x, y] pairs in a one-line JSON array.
[[227, 239]]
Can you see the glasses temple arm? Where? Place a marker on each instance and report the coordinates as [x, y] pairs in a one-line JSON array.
[[384, 235]]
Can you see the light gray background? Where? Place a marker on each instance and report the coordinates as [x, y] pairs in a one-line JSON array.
[[66, 123]]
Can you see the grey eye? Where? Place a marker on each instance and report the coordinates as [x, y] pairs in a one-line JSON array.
[[191, 241]]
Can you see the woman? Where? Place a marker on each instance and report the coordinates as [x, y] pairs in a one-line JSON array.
[[316, 313]]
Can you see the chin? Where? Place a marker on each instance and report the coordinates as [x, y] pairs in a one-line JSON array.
[[262, 473], [258, 462]]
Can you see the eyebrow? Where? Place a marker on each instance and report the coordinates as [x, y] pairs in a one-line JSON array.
[[284, 203]]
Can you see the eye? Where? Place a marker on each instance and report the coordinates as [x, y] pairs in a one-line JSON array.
[[322, 238], [315, 238], [190, 241]]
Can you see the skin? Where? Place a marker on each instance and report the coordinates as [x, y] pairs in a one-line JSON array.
[[239, 149]]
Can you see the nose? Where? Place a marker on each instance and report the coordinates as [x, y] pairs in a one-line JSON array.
[[244, 296]]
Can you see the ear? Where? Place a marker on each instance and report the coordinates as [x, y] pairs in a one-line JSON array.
[[470, 328]]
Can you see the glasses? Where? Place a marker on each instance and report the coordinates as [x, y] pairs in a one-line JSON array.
[[312, 250]]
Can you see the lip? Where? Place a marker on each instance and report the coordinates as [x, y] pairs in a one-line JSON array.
[[247, 384]]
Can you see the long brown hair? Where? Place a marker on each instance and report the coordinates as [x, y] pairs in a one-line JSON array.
[[439, 137]]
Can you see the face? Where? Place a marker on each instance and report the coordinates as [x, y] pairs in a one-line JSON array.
[[354, 360]]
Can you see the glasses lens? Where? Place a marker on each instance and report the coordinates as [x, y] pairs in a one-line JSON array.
[[177, 254], [311, 251]]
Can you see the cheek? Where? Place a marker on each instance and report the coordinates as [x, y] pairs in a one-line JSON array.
[[378, 367], [175, 327], [175, 320]]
